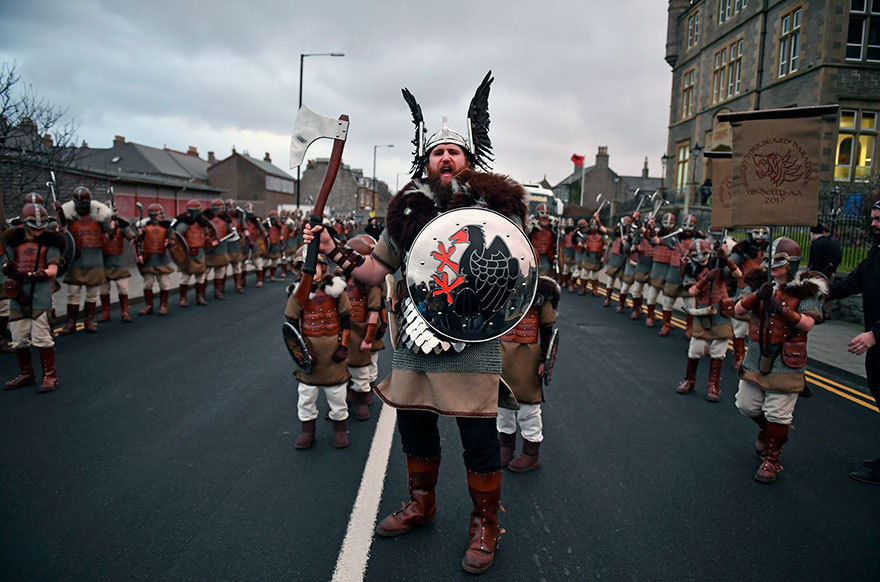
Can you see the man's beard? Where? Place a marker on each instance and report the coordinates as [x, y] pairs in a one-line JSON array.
[[875, 235], [442, 192]]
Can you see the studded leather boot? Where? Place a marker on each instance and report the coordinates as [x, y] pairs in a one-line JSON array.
[[421, 508], [485, 491]]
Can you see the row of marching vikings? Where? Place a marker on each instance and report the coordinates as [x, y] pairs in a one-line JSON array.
[[82, 243], [725, 291]]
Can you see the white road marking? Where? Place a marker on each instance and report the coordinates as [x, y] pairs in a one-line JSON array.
[[351, 565]]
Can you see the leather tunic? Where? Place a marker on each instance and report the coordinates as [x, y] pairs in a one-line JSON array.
[[26, 258], [542, 241], [154, 239], [320, 316], [87, 233], [526, 331], [274, 235], [358, 299], [195, 237], [594, 243], [220, 226], [113, 246], [778, 329]]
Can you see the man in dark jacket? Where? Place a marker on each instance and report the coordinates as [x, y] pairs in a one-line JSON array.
[[825, 253], [865, 279]]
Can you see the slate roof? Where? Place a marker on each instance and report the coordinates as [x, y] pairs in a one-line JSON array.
[[137, 158], [268, 167]]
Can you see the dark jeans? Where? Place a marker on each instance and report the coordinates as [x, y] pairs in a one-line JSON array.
[[872, 367], [479, 437]]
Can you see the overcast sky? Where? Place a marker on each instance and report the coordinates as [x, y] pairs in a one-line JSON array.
[[569, 75]]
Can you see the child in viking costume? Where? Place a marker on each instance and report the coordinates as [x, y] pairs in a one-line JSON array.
[[748, 255], [614, 266], [782, 312], [705, 281], [591, 239], [523, 356], [673, 288], [154, 262], [115, 269], [325, 320]]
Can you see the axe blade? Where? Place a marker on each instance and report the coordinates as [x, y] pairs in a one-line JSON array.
[[309, 127]]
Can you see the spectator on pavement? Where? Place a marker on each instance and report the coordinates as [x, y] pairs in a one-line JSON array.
[[374, 228], [825, 253], [865, 279]]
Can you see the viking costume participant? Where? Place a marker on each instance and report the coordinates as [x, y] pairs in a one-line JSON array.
[[569, 264], [523, 357], [643, 241], [194, 228], [5, 338], [325, 320], [236, 247], [614, 266], [705, 281], [673, 288], [543, 240], [259, 243], [217, 256], [594, 248], [663, 247], [114, 267], [631, 239], [30, 263], [154, 262], [88, 221], [782, 312], [747, 255], [577, 239], [363, 357], [451, 378], [288, 243], [273, 253]]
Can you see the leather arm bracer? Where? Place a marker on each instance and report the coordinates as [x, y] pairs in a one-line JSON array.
[[347, 258], [749, 302], [370, 334]]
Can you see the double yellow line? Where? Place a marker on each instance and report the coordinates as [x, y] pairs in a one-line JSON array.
[[851, 394]]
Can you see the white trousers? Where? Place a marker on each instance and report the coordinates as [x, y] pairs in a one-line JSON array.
[[4, 307], [307, 405], [777, 407], [121, 287], [187, 278], [74, 292], [361, 377], [636, 289], [740, 328], [653, 294], [236, 268], [530, 423], [29, 332], [697, 348], [164, 281]]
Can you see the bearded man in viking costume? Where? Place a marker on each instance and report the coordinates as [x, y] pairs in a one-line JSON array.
[[433, 373]]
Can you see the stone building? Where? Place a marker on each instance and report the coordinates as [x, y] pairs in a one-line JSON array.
[[601, 179], [742, 55], [258, 182], [352, 191]]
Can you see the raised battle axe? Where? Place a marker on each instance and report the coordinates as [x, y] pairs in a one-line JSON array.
[[308, 128]]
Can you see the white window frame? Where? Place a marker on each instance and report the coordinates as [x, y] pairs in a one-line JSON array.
[[856, 132], [865, 15], [789, 41]]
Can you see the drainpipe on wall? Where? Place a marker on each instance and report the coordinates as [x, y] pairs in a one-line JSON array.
[[761, 46]]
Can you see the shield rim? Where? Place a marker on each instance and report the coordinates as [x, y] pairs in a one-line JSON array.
[[294, 334], [551, 351], [68, 255], [178, 239], [441, 333]]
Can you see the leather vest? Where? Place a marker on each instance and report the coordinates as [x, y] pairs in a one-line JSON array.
[[320, 316], [154, 239], [274, 235], [26, 257], [594, 243], [113, 246], [286, 233], [777, 330], [220, 226], [712, 293], [87, 233], [566, 241], [617, 246], [662, 253], [358, 300], [543, 242], [195, 237], [526, 331]]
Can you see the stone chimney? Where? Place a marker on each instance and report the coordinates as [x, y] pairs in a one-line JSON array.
[[192, 151], [602, 157], [47, 141], [673, 38], [211, 159], [645, 169], [266, 158], [118, 140]]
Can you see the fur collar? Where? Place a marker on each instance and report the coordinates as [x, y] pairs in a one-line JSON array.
[[805, 284], [14, 236], [415, 205], [548, 290], [332, 286], [98, 211]]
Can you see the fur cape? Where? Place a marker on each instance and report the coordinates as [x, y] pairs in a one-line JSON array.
[[332, 286], [12, 237], [414, 206], [98, 211], [805, 284], [548, 290], [187, 219]]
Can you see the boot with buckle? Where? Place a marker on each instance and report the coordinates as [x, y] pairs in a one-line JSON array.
[[421, 508], [485, 491]]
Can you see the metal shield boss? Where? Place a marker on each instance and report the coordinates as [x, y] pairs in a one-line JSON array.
[[297, 347], [471, 275], [550, 360], [178, 249]]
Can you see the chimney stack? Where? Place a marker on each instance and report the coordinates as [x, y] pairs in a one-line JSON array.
[[645, 169], [192, 151], [602, 157], [47, 141], [267, 158], [118, 140], [211, 159]]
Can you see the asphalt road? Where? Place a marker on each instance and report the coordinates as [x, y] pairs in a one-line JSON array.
[[168, 454]]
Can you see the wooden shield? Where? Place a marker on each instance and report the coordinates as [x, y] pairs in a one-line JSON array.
[[178, 249]]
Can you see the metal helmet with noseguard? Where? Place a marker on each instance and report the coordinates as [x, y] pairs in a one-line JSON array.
[[668, 221], [34, 216], [689, 223], [785, 252], [699, 250], [33, 198], [82, 200]]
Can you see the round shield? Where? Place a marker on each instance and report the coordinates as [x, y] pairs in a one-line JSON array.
[[550, 360], [178, 249], [297, 347], [471, 274], [69, 254]]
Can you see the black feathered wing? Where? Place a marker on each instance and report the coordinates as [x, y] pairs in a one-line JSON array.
[[495, 276], [419, 121], [478, 118]]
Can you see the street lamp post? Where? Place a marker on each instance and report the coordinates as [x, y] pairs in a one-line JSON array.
[[375, 147], [695, 152], [302, 57], [664, 160]]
